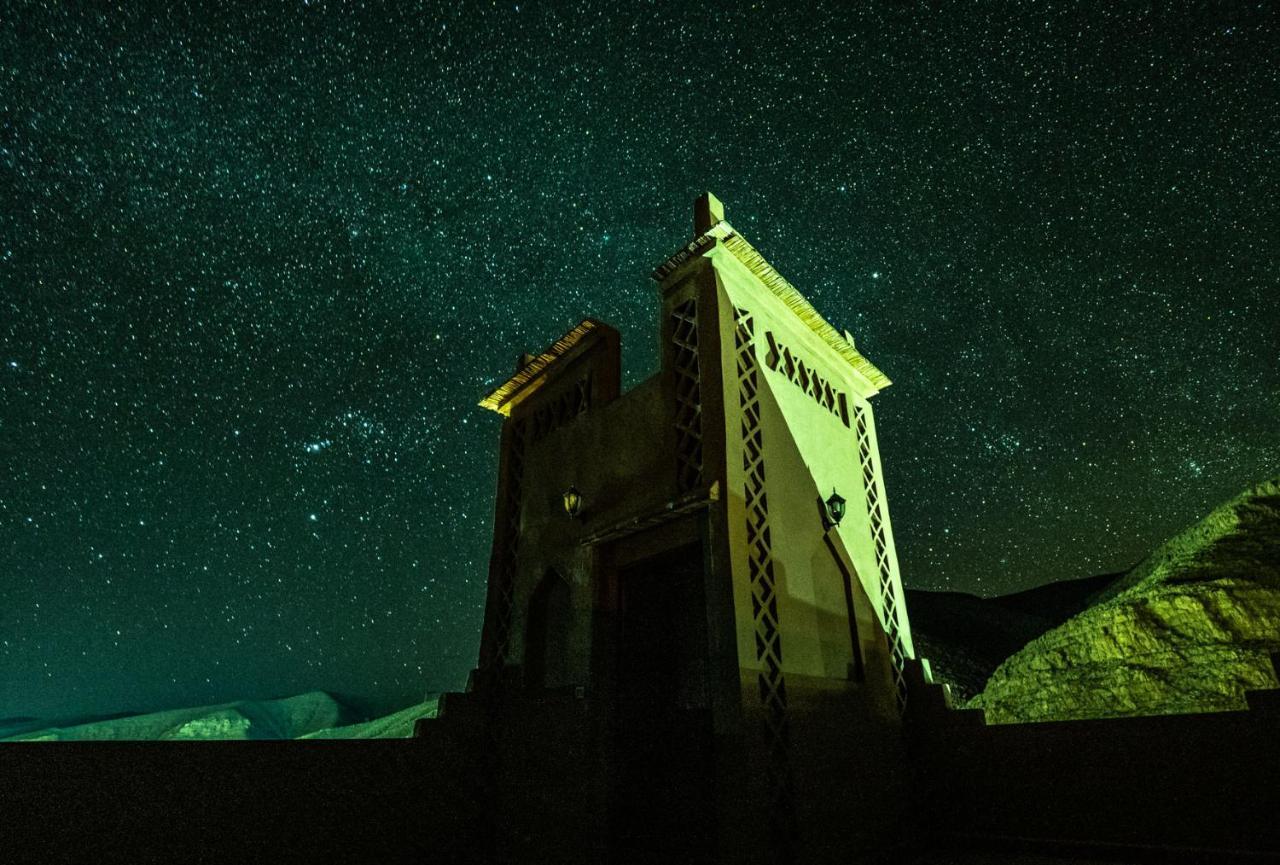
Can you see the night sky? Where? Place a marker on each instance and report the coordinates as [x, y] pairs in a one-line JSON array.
[[256, 268]]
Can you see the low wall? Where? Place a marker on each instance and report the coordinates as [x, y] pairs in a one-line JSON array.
[[385, 801], [1194, 788], [1190, 788]]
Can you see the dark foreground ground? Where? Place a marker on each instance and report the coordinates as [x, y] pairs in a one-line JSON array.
[[1193, 789]]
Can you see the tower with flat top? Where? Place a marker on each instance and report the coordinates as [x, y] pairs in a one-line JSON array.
[[695, 646]]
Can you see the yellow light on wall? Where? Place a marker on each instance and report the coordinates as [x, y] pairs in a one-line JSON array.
[[572, 502]]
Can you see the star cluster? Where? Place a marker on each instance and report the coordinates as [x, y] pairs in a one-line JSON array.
[[257, 263]]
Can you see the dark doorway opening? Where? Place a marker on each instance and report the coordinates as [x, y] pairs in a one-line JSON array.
[[547, 662], [662, 802]]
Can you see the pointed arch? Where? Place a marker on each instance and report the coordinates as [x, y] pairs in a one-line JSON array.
[[548, 661]]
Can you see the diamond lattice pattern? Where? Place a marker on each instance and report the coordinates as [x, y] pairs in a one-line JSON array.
[[764, 598], [499, 639], [888, 590], [559, 411], [684, 337], [781, 359]]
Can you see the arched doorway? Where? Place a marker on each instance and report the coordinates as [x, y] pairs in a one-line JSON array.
[[547, 662]]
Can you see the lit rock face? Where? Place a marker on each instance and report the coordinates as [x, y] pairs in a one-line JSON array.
[[1190, 629], [286, 718], [226, 724], [398, 725]]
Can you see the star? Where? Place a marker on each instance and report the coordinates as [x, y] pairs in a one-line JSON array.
[[261, 267]]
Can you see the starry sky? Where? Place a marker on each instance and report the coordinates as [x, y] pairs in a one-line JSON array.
[[258, 262]]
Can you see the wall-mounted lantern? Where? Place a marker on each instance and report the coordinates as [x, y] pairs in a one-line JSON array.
[[835, 508], [572, 502]]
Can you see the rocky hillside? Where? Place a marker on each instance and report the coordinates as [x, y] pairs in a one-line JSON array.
[[966, 637], [397, 725], [287, 718], [1189, 629]]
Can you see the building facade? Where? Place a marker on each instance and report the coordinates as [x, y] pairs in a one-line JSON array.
[[694, 598], [688, 656]]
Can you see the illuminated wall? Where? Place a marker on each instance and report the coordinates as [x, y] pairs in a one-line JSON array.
[[808, 404]]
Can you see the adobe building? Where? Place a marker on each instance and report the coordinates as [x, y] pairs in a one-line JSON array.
[[694, 650], [694, 637], [695, 646]]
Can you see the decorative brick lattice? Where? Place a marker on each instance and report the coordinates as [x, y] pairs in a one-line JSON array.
[[561, 410], [782, 359], [888, 592], [764, 599], [684, 336], [499, 637]]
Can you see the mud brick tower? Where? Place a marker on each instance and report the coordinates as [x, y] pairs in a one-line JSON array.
[[695, 646]]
